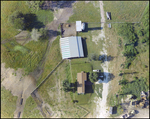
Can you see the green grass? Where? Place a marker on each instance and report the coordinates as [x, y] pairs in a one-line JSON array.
[[29, 109], [8, 103], [21, 49], [29, 60], [53, 58], [125, 11], [78, 65], [99, 89], [44, 16], [85, 12], [8, 31]]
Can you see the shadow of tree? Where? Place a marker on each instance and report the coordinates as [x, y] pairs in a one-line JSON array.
[[104, 58], [31, 22]]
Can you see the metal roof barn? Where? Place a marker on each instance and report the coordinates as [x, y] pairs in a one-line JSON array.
[[71, 47], [78, 26]]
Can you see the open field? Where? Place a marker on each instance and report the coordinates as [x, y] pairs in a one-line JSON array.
[[125, 11], [45, 16], [137, 65], [30, 109], [8, 103], [86, 12], [54, 57], [26, 56], [60, 102]]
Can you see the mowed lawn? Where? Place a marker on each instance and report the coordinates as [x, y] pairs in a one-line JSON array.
[[7, 8], [85, 12], [125, 11], [8, 103]]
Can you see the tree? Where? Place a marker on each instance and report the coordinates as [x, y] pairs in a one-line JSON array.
[[34, 34], [44, 33], [93, 76], [66, 85], [17, 20], [19, 23]]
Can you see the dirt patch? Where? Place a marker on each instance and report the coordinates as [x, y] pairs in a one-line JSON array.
[[68, 29], [19, 85]]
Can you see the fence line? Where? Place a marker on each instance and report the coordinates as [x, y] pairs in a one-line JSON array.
[[83, 109], [48, 75]]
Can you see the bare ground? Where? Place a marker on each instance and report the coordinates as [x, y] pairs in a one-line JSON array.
[[18, 85]]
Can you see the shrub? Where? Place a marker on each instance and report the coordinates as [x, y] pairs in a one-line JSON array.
[[44, 33], [93, 56], [140, 33], [93, 76], [123, 82], [34, 34], [135, 87]]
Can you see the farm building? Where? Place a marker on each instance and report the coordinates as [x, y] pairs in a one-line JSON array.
[[71, 47], [81, 78]]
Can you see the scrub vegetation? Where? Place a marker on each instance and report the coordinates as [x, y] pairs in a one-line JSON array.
[[132, 68], [30, 109]]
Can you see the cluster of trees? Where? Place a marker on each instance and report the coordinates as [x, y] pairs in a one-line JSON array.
[[34, 5], [135, 87], [132, 36], [29, 22]]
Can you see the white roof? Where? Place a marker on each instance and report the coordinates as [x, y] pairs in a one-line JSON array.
[[71, 47], [78, 26]]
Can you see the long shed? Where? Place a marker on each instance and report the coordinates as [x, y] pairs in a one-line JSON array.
[[71, 47]]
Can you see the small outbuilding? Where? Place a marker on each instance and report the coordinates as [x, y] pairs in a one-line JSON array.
[[71, 47], [111, 110]]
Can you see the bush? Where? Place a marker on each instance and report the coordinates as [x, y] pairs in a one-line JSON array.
[[34, 34], [93, 56], [93, 76], [66, 85], [44, 33], [135, 87], [130, 51], [123, 82], [140, 33]]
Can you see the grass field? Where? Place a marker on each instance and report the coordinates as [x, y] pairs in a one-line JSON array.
[[86, 12], [8, 103], [53, 58], [30, 110], [44, 16], [26, 56], [125, 11]]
